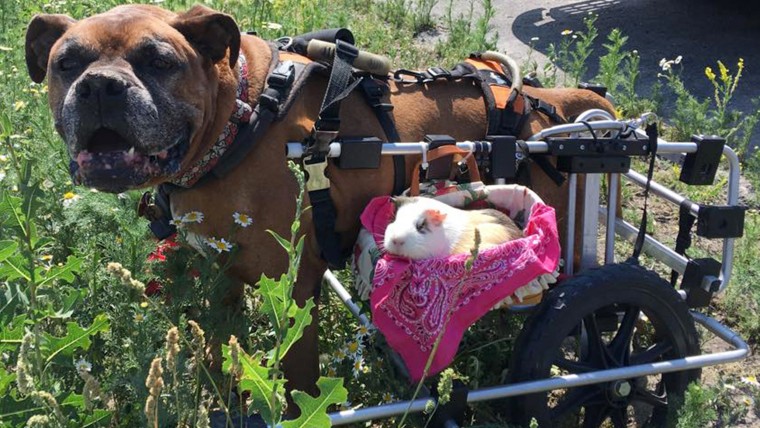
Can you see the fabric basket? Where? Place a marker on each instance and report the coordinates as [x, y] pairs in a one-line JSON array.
[[411, 300]]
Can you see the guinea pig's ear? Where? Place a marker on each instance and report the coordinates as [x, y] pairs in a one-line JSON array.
[[210, 32], [435, 217], [43, 31]]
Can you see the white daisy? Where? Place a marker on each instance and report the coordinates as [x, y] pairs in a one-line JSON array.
[[82, 366], [193, 217], [220, 245], [243, 220]]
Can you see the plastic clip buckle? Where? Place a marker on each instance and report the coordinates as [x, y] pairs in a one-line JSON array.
[[315, 168]]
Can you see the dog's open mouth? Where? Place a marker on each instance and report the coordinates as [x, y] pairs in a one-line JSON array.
[[111, 162]]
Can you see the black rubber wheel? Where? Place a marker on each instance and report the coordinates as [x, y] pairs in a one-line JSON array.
[[613, 316]]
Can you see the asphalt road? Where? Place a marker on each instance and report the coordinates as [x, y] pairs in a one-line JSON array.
[[701, 31]]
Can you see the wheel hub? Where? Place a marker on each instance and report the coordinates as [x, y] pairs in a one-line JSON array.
[[621, 389]]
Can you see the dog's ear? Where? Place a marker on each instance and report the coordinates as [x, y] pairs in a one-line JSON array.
[[41, 35], [210, 32]]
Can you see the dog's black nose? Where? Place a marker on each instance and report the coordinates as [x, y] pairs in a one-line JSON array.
[[101, 85]]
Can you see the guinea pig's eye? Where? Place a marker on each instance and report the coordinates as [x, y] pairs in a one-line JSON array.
[[422, 226], [160, 64]]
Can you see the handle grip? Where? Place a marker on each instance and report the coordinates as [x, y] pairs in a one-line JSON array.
[[325, 51]]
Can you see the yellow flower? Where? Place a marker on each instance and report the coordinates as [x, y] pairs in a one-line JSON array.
[[723, 72], [176, 222], [143, 304], [18, 105], [242, 219], [139, 317], [566, 32], [69, 195], [220, 245], [388, 397], [709, 73]]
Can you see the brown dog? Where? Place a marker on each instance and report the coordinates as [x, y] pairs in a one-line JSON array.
[[146, 92]]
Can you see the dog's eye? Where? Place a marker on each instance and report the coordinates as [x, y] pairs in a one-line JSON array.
[[68, 64], [160, 64], [422, 226]]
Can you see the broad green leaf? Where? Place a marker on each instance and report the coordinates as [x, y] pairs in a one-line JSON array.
[[67, 308], [11, 334], [301, 319], [257, 379], [11, 208], [64, 273], [314, 410], [97, 417], [7, 249], [76, 337], [6, 379], [14, 268], [14, 410], [274, 296]]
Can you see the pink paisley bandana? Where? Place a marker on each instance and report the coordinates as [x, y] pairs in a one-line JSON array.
[[411, 300]]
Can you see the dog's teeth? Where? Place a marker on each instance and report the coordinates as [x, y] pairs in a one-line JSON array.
[[131, 151]]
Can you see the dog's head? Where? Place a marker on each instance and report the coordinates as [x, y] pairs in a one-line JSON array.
[[134, 91]]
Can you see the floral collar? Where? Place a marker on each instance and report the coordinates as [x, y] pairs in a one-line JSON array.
[[241, 115]]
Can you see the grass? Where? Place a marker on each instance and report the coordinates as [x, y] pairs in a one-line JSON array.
[[71, 314]]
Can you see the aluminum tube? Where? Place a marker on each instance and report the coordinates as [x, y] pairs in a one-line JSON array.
[[666, 147], [590, 221], [568, 381], [612, 201], [377, 412], [572, 195], [345, 297], [652, 247], [733, 199], [296, 150], [612, 125], [594, 113], [660, 190]]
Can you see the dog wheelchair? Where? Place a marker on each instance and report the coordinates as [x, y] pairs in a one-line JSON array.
[[585, 335]]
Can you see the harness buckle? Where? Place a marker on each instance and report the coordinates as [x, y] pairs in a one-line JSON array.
[[315, 169], [438, 72], [283, 75]]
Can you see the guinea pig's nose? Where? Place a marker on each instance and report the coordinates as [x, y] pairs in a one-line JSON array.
[[397, 242]]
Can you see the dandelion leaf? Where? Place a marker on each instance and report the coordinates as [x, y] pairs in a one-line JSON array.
[[300, 319], [257, 379], [76, 337], [274, 296], [314, 410]]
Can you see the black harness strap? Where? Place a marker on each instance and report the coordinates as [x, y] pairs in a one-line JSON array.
[[683, 240], [339, 87], [373, 93], [637, 247], [325, 130]]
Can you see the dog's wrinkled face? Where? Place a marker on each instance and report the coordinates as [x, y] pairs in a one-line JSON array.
[[132, 88]]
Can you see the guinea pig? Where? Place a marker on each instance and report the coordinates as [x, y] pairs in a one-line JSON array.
[[425, 228]]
